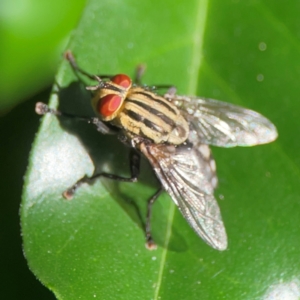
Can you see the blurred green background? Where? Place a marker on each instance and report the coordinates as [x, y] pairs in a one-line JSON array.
[[33, 35]]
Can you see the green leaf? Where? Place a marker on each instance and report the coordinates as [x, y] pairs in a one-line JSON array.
[[93, 246]]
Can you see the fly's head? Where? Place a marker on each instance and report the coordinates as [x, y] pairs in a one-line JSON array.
[[110, 95]]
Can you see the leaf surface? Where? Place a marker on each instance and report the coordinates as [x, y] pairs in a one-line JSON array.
[[93, 246]]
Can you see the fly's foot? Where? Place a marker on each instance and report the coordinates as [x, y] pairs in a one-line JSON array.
[[69, 193], [150, 245], [42, 108]]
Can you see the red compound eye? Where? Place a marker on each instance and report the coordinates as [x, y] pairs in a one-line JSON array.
[[122, 80], [109, 104]]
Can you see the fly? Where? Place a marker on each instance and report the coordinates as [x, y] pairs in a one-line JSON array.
[[173, 132]]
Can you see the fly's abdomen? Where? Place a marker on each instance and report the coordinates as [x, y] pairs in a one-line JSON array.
[[149, 115]]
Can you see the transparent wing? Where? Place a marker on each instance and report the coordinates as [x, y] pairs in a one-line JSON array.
[[225, 125], [188, 174]]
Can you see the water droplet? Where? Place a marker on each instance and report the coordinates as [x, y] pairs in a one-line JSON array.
[[260, 77], [262, 46]]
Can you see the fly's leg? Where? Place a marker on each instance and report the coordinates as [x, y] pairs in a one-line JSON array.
[[71, 59], [134, 158], [69, 56], [171, 92], [149, 240], [42, 109], [139, 72]]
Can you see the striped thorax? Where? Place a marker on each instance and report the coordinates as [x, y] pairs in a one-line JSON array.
[[139, 111]]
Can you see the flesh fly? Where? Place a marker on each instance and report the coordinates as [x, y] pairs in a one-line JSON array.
[[173, 132]]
